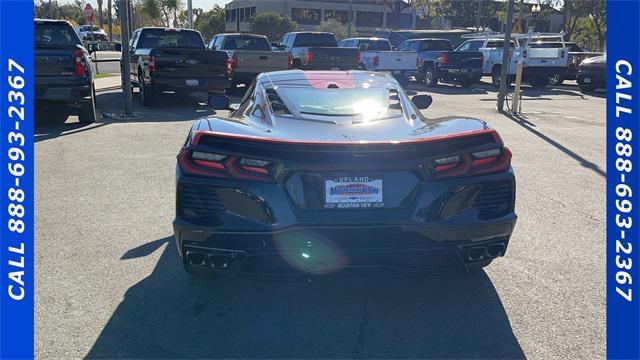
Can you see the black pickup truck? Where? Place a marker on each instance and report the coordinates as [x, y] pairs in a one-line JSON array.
[[437, 61], [63, 77], [318, 51], [177, 60]]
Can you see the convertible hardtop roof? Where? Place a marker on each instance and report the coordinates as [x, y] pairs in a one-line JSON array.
[[327, 79]]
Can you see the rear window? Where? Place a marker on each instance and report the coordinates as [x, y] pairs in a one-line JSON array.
[[161, 38], [374, 45], [315, 39], [246, 43], [54, 34], [436, 45]]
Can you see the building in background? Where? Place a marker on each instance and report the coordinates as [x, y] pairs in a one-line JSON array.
[[368, 15]]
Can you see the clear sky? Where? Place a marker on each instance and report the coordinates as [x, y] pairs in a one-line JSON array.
[[203, 4]]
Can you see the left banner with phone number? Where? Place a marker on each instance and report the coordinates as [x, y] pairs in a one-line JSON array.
[[16, 180]]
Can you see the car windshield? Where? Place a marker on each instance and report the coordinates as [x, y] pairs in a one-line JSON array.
[[315, 39], [368, 103], [374, 45], [169, 38], [54, 34], [246, 43]]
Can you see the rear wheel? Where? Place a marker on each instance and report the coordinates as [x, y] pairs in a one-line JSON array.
[[147, 93], [556, 79], [429, 76], [496, 75], [87, 113]]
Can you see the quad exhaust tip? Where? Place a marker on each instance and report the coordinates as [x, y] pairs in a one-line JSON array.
[[489, 251], [214, 259]]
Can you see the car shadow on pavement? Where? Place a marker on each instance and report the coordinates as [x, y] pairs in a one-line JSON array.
[[50, 131], [169, 315]]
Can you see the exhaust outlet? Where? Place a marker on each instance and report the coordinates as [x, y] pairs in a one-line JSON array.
[[476, 254], [197, 259], [219, 261], [495, 250]]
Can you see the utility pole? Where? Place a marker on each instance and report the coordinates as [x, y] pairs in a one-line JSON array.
[[110, 15], [190, 13], [506, 57], [478, 15], [350, 15], [126, 58]]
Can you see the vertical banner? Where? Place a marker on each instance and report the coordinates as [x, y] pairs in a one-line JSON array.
[[16, 179], [623, 182]]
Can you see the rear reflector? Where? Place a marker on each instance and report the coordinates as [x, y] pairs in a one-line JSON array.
[[78, 68], [152, 64], [309, 57]]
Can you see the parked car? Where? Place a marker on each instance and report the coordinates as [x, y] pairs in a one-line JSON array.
[[320, 171], [376, 54], [592, 73], [437, 61], [177, 60], [318, 51], [91, 33], [250, 55], [576, 55], [539, 63], [63, 77]]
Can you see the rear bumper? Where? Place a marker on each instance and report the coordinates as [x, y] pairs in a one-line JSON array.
[[180, 84], [330, 67], [65, 94], [529, 72], [449, 74], [260, 231], [591, 78]]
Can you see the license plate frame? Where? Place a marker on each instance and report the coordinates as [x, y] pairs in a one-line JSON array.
[[192, 82], [353, 192]]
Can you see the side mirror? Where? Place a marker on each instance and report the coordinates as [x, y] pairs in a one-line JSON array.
[[422, 101], [218, 102], [117, 47]]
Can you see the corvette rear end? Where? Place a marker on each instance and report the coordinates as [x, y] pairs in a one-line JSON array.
[[296, 194]]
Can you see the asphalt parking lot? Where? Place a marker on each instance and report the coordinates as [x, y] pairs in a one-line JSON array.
[[109, 283]]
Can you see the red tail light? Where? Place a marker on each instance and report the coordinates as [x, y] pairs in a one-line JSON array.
[[524, 54], [290, 62], [418, 62], [358, 57], [224, 166], [444, 59], [229, 67], [152, 64], [481, 162], [481, 59], [78, 67], [234, 60], [309, 57], [376, 60]]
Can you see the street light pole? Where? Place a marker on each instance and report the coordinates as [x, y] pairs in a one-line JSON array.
[[126, 58], [478, 15], [350, 15], [190, 13], [506, 57]]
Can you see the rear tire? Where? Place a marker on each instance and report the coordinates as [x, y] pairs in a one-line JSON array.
[[496, 74], [555, 80], [87, 113], [429, 76], [147, 93]]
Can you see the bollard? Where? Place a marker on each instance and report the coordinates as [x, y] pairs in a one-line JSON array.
[[515, 104]]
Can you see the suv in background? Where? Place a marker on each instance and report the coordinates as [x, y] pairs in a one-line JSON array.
[[63, 75], [91, 33]]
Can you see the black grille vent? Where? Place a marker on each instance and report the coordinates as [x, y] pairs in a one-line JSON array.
[[197, 200], [494, 199]]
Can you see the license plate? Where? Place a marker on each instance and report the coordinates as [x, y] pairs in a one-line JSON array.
[[192, 82], [463, 70], [335, 69], [454, 70], [353, 192], [587, 80]]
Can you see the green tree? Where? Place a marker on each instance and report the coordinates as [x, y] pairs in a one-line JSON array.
[[339, 29], [272, 25], [209, 23]]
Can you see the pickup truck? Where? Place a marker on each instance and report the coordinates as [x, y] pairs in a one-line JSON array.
[[63, 77], [437, 61], [318, 51], [250, 55], [376, 55], [576, 56], [177, 60], [539, 63]]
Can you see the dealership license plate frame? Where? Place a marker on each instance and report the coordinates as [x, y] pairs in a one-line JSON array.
[[361, 201]]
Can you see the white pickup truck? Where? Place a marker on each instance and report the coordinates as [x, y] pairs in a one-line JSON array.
[[540, 64], [376, 54]]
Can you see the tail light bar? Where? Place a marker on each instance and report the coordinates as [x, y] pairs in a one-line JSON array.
[[376, 60], [224, 166], [234, 60], [78, 66], [475, 163], [309, 57], [229, 67], [418, 62], [290, 62], [151, 64], [444, 59], [358, 57]]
